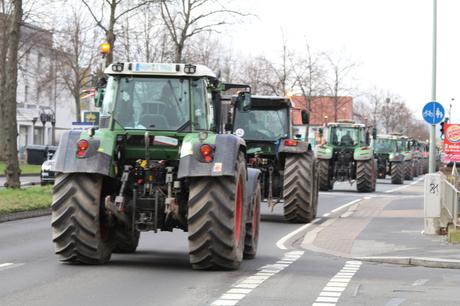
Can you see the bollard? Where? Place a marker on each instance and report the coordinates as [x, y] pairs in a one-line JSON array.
[[432, 203]]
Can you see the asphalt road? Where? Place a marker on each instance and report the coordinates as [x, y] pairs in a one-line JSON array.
[[160, 274]]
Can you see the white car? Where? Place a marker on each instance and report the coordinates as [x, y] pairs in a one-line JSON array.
[[46, 173]]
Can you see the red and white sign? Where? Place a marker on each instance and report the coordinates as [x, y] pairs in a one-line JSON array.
[[452, 142]]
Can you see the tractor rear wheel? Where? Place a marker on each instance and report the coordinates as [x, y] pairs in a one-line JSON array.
[[81, 231], [125, 241], [323, 173], [298, 188], [415, 169], [252, 227], [408, 171], [397, 173], [365, 175], [216, 219]]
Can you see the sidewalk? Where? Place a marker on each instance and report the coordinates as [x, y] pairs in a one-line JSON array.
[[387, 228], [26, 180]]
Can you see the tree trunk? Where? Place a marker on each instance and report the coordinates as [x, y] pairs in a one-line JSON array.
[[3, 50], [12, 163]]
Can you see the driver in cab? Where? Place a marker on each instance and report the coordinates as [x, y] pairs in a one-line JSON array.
[[346, 139]]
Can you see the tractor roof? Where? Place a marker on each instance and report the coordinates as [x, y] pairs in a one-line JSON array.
[[159, 69], [346, 124], [382, 136], [270, 101]]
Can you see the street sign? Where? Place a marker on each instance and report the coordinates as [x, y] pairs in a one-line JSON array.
[[433, 112], [452, 142]]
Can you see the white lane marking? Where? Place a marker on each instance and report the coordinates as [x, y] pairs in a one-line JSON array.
[[405, 186], [420, 282], [242, 288], [6, 264], [332, 291], [280, 243]]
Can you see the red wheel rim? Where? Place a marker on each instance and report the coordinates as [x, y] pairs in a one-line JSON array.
[[254, 218], [238, 211]]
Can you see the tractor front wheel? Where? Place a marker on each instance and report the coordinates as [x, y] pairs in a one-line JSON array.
[[252, 227], [216, 223], [323, 173], [125, 240]]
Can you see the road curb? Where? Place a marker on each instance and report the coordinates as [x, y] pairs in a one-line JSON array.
[[25, 215], [428, 262]]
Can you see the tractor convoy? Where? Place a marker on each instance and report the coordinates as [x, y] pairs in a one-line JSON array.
[[176, 148]]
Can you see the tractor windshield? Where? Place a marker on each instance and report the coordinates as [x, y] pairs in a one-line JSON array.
[[383, 145], [346, 136], [153, 103], [402, 143], [262, 124]]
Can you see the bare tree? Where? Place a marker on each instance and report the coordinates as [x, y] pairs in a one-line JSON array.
[[309, 75], [336, 84], [186, 18], [75, 56], [116, 12], [13, 171]]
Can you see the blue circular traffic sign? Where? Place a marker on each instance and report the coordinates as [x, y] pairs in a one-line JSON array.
[[433, 112]]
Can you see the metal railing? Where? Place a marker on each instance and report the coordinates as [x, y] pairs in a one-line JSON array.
[[449, 201]]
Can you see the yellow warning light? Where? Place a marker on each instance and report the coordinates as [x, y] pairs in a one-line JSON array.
[[104, 48]]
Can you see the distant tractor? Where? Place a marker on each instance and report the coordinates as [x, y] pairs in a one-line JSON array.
[[410, 163], [346, 154], [421, 150], [158, 162], [276, 136], [390, 159]]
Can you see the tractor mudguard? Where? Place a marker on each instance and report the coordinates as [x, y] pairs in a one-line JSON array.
[[323, 152], [92, 162], [251, 184], [363, 153], [226, 150], [301, 147]]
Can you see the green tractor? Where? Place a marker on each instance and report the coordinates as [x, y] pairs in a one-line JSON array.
[[276, 136], [157, 162], [390, 159], [410, 163], [346, 154]]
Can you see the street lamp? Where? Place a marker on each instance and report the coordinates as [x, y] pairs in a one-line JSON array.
[[34, 120]]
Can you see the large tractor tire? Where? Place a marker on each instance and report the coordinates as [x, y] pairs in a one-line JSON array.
[[252, 227], [81, 233], [365, 175], [315, 188], [125, 241], [425, 166], [298, 188], [397, 173], [216, 220], [323, 173], [408, 171], [415, 168]]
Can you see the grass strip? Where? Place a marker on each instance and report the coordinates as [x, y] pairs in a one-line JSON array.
[[15, 200]]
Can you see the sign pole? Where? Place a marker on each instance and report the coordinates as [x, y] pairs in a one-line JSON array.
[[432, 156], [432, 200]]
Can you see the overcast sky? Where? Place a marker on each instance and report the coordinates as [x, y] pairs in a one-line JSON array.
[[390, 40]]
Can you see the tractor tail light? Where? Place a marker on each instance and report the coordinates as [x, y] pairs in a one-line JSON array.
[[206, 153], [82, 147], [365, 148], [290, 143]]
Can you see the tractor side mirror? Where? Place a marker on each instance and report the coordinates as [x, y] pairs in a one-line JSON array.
[[244, 101], [305, 117], [100, 91], [228, 127], [99, 97], [321, 132], [374, 133]]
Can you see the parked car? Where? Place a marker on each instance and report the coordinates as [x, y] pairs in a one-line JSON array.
[[46, 174]]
